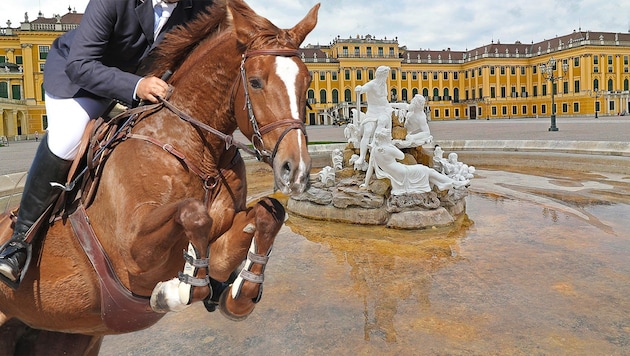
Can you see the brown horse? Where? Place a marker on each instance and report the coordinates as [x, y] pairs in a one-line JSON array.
[[176, 184]]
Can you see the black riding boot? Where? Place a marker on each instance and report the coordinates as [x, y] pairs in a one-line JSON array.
[[37, 196]]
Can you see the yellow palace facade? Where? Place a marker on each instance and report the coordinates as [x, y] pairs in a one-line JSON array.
[[590, 76], [23, 52]]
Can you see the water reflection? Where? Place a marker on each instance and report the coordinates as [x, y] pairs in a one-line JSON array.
[[543, 269], [388, 266]]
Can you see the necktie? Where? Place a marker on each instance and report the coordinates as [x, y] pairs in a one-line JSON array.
[[162, 12], [157, 13]]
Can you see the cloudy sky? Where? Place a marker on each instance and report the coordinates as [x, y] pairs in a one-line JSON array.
[[436, 25]]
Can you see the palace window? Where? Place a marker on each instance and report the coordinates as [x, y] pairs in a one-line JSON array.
[[4, 90], [43, 52]]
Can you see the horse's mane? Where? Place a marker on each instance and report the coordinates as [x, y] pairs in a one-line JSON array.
[[183, 39], [179, 43]]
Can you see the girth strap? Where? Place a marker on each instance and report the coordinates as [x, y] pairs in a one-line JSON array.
[[121, 311]]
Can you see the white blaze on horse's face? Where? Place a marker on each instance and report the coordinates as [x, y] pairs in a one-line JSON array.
[[287, 70]]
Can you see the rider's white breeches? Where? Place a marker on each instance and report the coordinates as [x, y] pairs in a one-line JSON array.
[[67, 119]]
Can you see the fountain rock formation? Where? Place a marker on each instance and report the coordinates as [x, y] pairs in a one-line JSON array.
[[385, 176]]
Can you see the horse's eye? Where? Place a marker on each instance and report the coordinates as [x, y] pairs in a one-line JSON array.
[[255, 83]]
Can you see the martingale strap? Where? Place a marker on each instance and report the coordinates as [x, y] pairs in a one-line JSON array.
[[121, 310]]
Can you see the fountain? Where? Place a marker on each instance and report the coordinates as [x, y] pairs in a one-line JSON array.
[[413, 188]]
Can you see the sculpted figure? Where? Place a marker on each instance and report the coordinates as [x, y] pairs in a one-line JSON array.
[[379, 111], [337, 159], [457, 170], [404, 178], [352, 132], [327, 176], [416, 121]]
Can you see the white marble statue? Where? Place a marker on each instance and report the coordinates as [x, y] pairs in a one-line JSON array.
[[379, 111], [400, 110], [418, 132], [457, 170], [416, 121], [404, 178], [327, 176], [337, 159], [438, 159], [352, 132]]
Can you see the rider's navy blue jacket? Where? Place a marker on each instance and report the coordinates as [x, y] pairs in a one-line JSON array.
[[101, 56]]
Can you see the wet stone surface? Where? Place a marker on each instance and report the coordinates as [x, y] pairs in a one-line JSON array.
[[538, 265]]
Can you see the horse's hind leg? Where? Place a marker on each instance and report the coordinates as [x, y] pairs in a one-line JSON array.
[[262, 221]]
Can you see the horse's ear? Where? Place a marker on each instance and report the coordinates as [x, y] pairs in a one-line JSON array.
[[245, 20], [299, 32]]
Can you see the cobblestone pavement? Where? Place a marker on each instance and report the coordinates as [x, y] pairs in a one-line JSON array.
[[17, 156]]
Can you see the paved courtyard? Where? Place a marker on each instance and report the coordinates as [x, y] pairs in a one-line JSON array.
[[17, 156]]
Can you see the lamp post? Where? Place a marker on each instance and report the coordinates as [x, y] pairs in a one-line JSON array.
[[548, 71], [596, 94], [486, 100]]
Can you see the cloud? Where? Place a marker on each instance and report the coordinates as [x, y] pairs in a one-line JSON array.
[[455, 24]]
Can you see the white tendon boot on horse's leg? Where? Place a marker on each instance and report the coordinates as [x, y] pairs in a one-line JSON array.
[[231, 301], [176, 294]]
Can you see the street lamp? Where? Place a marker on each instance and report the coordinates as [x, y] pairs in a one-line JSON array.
[[486, 100], [548, 72], [596, 94]]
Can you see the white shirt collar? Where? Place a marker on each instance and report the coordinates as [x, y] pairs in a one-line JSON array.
[[169, 6]]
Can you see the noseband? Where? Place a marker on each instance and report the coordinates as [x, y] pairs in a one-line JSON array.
[[289, 124]]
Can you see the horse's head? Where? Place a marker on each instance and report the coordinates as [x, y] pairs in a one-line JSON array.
[[270, 103]]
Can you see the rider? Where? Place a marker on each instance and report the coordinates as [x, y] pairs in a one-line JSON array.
[[85, 69]]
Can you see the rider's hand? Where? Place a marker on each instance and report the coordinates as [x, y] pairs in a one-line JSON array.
[[149, 88]]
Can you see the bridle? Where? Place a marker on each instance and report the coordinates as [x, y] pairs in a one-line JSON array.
[[132, 116], [259, 151], [257, 138]]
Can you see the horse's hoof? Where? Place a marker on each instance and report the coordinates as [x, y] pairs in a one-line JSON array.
[[166, 297], [158, 301], [224, 310]]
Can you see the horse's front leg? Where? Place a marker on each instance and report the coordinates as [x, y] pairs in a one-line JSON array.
[[166, 229], [251, 239]]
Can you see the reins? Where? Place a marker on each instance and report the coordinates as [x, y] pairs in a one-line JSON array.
[[258, 150]]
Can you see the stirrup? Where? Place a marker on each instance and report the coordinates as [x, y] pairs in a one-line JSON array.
[[15, 284]]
